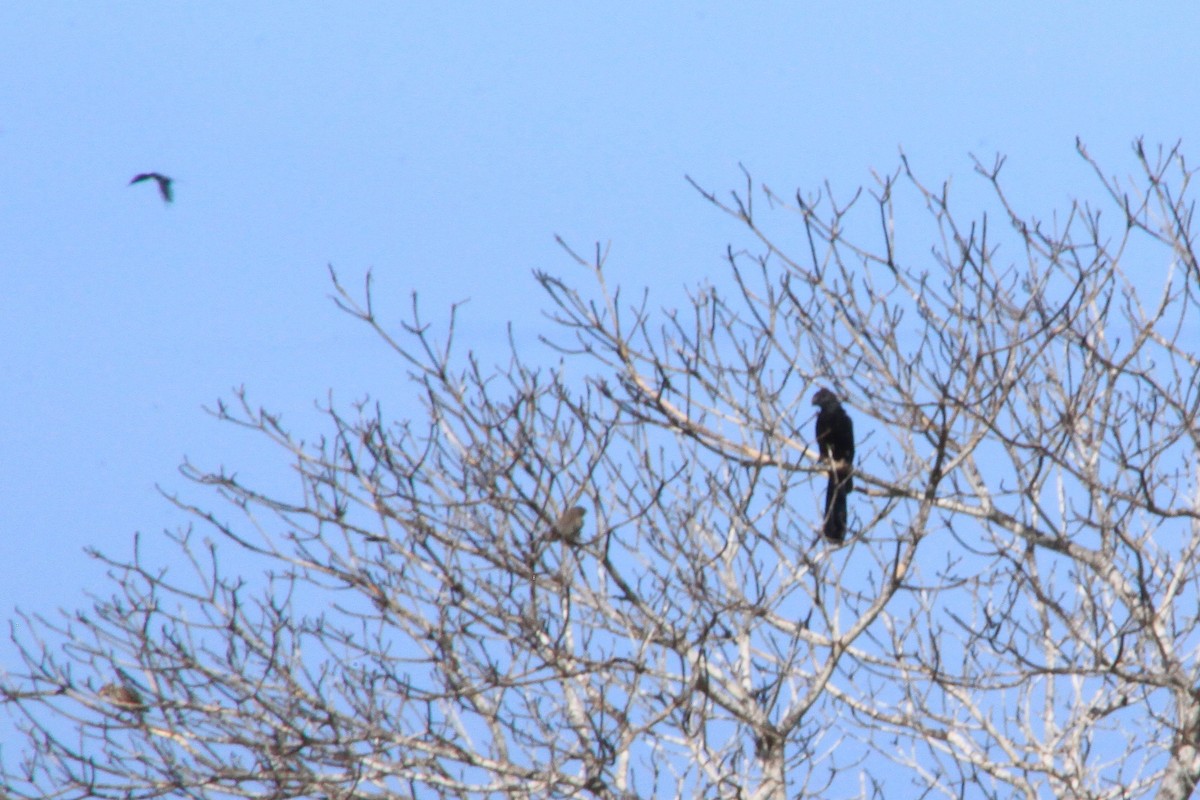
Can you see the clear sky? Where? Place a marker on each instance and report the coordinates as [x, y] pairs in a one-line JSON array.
[[444, 145]]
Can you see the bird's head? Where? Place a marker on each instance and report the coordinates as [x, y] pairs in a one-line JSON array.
[[824, 397]]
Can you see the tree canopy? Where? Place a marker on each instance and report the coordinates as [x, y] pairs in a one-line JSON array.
[[1013, 612]]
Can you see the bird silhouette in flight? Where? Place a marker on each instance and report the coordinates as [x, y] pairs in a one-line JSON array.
[[164, 184], [835, 438]]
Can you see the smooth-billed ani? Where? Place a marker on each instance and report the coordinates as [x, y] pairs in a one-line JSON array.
[[835, 438]]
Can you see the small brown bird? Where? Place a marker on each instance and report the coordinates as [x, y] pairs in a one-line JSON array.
[[164, 184], [568, 526], [123, 696]]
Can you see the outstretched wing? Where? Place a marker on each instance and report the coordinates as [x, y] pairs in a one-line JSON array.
[[164, 183]]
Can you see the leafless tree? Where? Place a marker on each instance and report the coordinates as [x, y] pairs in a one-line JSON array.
[[1014, 613]]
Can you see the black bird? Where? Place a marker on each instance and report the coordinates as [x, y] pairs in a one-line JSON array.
[[835, 438], [568, 526], [164, 184]]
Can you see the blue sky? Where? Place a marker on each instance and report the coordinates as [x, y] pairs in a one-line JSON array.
[[444, 145]]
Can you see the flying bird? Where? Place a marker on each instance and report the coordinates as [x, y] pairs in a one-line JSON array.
[[568, 526], [164, 184], [835, 438]]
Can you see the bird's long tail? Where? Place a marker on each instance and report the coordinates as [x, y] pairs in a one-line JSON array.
[[836, 492]]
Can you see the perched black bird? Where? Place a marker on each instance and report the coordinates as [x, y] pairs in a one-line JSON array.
[[568, 526], [835, 438], [164, 184]]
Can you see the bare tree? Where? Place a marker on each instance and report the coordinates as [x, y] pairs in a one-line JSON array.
[[1014, 612]]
